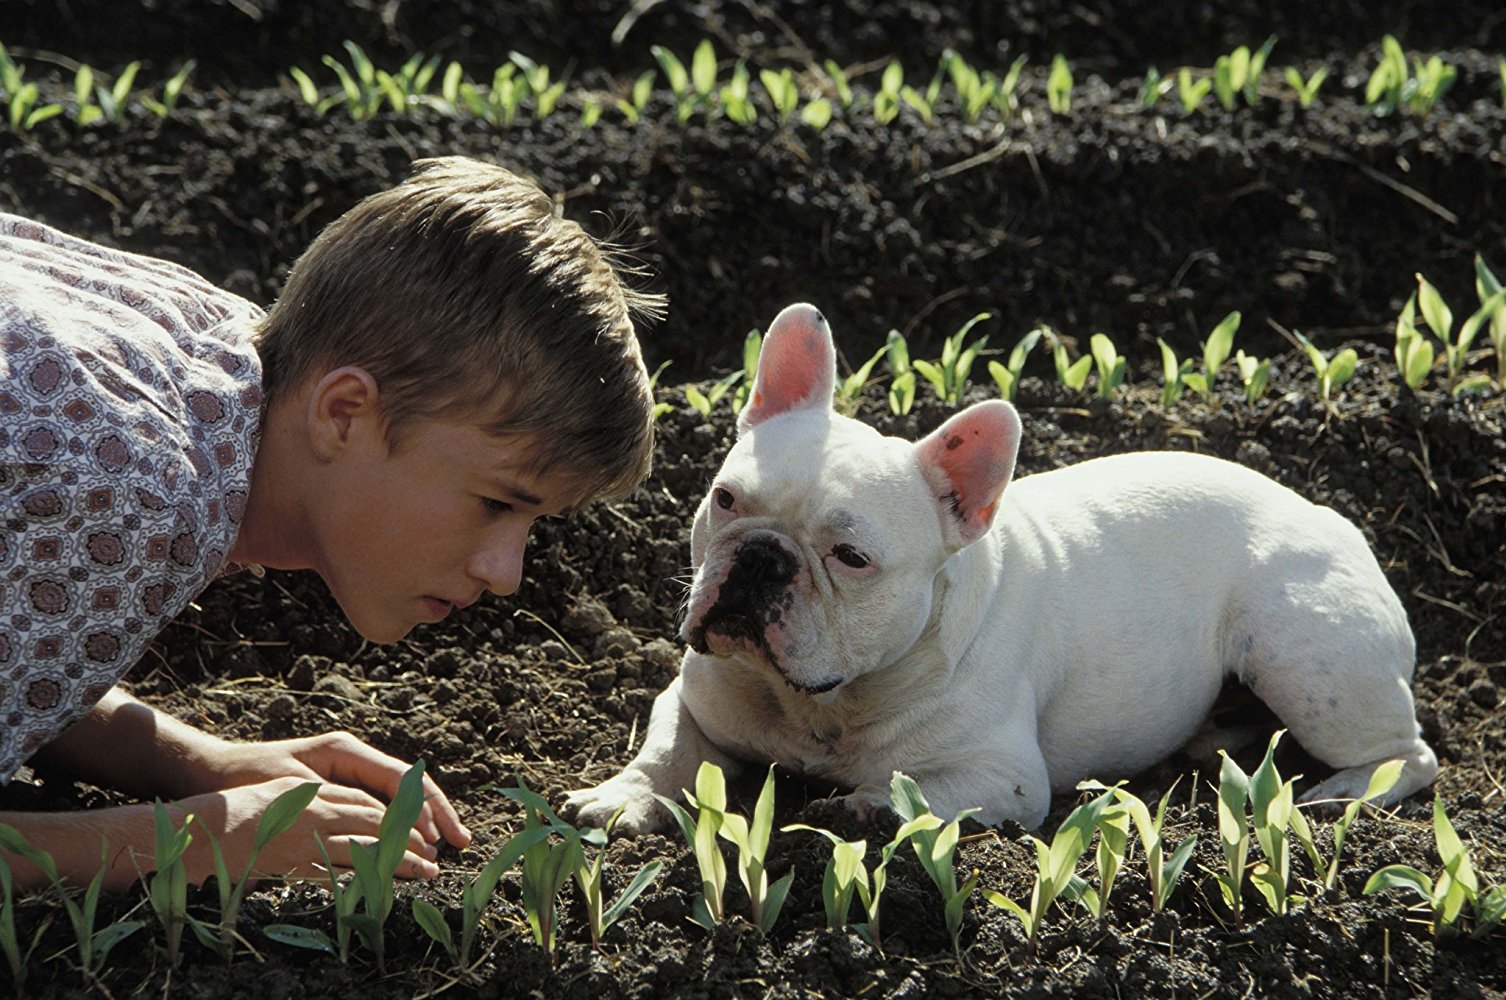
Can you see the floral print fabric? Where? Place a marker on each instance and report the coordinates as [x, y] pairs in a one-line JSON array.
[[130, 402]]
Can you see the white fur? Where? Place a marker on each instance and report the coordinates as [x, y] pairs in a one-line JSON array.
[[1084, 635]]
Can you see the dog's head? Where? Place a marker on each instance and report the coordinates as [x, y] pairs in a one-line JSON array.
[[816, 549]]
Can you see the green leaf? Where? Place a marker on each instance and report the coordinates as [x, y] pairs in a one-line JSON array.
[[300, 937], [1220, 343], [1076, 375], [641, 881], [432, 922], [674, 70], [1434, 310], [774, 901], [906, 798], [1400, 877]]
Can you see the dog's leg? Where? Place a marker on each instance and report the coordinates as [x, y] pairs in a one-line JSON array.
[[672, 752]]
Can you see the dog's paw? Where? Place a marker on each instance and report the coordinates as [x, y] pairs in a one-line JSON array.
[[629, 791]]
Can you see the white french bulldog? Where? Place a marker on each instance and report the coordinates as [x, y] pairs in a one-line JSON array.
[[862, 605]]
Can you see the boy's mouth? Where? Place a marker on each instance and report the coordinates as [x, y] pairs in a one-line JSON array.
[[438, 609]]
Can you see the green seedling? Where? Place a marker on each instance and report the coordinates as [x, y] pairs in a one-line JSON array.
[[1453, 888], [1007, 376], [661, 407], [1238, 74], [1110, 364], [1487, 285], [171, 91], [1072, 374], [1059, 86], [975, 91], [1055, 867], [704, 402], [935, 847], [710, 804], [1440, 319], [546, 94], [1108, 859], [1391, 86], [784, 95], [500, 103], [600, 917], [93, 944], [277, 820], [1233, 834], [1161, 872], [902, 380], [1007, 99], [85, 111], [1255, 374], [886, 100], [924, 102], [948, 375], [850, 389], [752, 842], [112, 99], [1501, 69], [548, 867], [817, 113], [590, 112], [752, 350], [1191, 91], [845, 874], [1274, 814], [1216, 350], [359, 89], [1331, 372], [642, 89], [692, 87], [1306, 90], [1414, 352], [1381, 781], [21, 97], [409, 86], [846, 100], [737, 103], [1154, 87], [1173, 374], [167, 889]]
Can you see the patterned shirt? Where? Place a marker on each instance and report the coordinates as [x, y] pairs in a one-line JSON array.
[[130, 405]]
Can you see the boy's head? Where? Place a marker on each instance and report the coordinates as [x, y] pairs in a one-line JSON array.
[[467, 298]]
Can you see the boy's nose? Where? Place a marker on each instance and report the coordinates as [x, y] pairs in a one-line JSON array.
[[499, 565]]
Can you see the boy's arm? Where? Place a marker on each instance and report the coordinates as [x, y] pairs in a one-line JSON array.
[[126, 744]]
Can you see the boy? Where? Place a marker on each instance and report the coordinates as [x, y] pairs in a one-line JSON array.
[[448, 361]]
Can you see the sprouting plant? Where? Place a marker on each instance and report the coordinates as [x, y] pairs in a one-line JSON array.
[[845, 874], [1307, 90], [1392, 86], [1440, 319], [752, 350], [1055, 867], [1161, 872], [358, 84], [850, 389], [642, 89], [1059, 86], [308, 91], [1238, 74], [1255, 374], [710, 803], [410, 84], [172, 89], [167, 889], [737, 103], [278, 818], [783, 94], [1487, 286], [846, 100], [925, 101], [975, 91], [1110, 364], [590, 112], [1155, 86], [1113, 845], [886, 99], [752, 841], [1501, 69], [474, 897], [1414, 352], [1233, 833], [93, 944], [902, 381], [1273, 809], [547, 867], [1331, 372], [1007, 98], [1173, 374], [1072, 374], [599, 916], [112, 99], [816, 113], [546, 94], [1216, 350], [1190, 90], [500, 103], [1454, 887], [1382, 780], [661, 407], [948, 375], [692, 88], [934, 847], [704, 402], [1007, 376]]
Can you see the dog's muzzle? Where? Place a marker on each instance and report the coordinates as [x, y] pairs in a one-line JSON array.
[[754, 595]]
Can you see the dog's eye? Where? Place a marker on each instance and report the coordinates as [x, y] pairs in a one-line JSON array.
[[850, 556], [724, 498]]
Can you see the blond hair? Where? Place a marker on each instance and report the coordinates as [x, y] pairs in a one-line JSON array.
[[466, 297]]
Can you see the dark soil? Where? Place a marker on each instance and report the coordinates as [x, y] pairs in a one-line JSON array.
[[1138, 223]]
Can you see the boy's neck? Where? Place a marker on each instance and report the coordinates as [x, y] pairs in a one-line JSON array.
[[271, 532]]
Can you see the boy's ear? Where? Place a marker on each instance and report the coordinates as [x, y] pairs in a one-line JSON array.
[[968, 461], [797, 367], [339, 404]]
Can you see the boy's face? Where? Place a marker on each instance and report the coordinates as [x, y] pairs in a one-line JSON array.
[[418, 531]]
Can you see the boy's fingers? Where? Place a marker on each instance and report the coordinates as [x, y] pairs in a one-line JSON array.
[[361, 764], [411, 866], [444, 816]]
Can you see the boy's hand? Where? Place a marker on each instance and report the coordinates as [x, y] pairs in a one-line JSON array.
[[339, 759]]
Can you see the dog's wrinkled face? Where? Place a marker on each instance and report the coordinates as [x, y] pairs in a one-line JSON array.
[[817, 547], [809, 555]]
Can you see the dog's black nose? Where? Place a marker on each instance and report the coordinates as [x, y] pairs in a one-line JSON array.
[[762, 560]]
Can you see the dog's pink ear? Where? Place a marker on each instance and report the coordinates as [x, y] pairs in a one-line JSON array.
[[797, 368], [968, 461]]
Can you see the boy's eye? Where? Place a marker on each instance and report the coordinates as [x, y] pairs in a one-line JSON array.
[[494, 506], [850, 556]]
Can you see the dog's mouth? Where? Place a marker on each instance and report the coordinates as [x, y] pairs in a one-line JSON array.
[[731, 633]]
